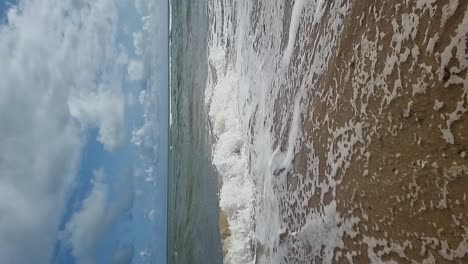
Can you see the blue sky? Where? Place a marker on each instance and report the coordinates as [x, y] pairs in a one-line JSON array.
[[83, 141]]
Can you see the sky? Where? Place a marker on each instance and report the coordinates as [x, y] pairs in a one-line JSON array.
[[83, 134]]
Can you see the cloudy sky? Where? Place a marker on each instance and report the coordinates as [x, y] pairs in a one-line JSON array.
[[83, 131]]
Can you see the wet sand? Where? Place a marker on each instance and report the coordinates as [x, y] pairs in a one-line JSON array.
[[387, 126]]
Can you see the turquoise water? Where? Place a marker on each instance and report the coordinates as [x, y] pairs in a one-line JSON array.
[[193, 232]]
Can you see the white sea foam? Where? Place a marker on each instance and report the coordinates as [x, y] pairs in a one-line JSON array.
[[229, 151], [245, 77], [236, 194], [293, 27]]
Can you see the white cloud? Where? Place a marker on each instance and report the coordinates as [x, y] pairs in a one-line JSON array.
[[58, 71], [139, 5], [135, 70], [147, 23], [146, 137], [141, 97], [104, 110], [138, 42], [146, 140], [87, 227]]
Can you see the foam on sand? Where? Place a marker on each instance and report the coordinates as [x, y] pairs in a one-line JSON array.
[[236, 194]]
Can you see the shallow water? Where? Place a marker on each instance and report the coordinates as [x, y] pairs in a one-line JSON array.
[[193, 235]]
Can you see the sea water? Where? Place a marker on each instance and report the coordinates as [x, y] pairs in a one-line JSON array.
[[193, 235]]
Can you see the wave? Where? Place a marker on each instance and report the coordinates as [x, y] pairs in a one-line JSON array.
[[229, 157], [252, 66], [230, 147]]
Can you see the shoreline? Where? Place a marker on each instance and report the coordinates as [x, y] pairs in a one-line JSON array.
[[360, 152]]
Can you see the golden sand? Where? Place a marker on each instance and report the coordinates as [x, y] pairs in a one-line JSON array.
[[404, 179]]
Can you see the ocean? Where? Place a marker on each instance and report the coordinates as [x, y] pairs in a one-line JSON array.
[[193, 231]]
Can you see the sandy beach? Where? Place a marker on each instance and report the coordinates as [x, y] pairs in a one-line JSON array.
[[391, 107], [367, 128]]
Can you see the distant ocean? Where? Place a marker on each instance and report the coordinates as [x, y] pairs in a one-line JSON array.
[[193, 231]]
